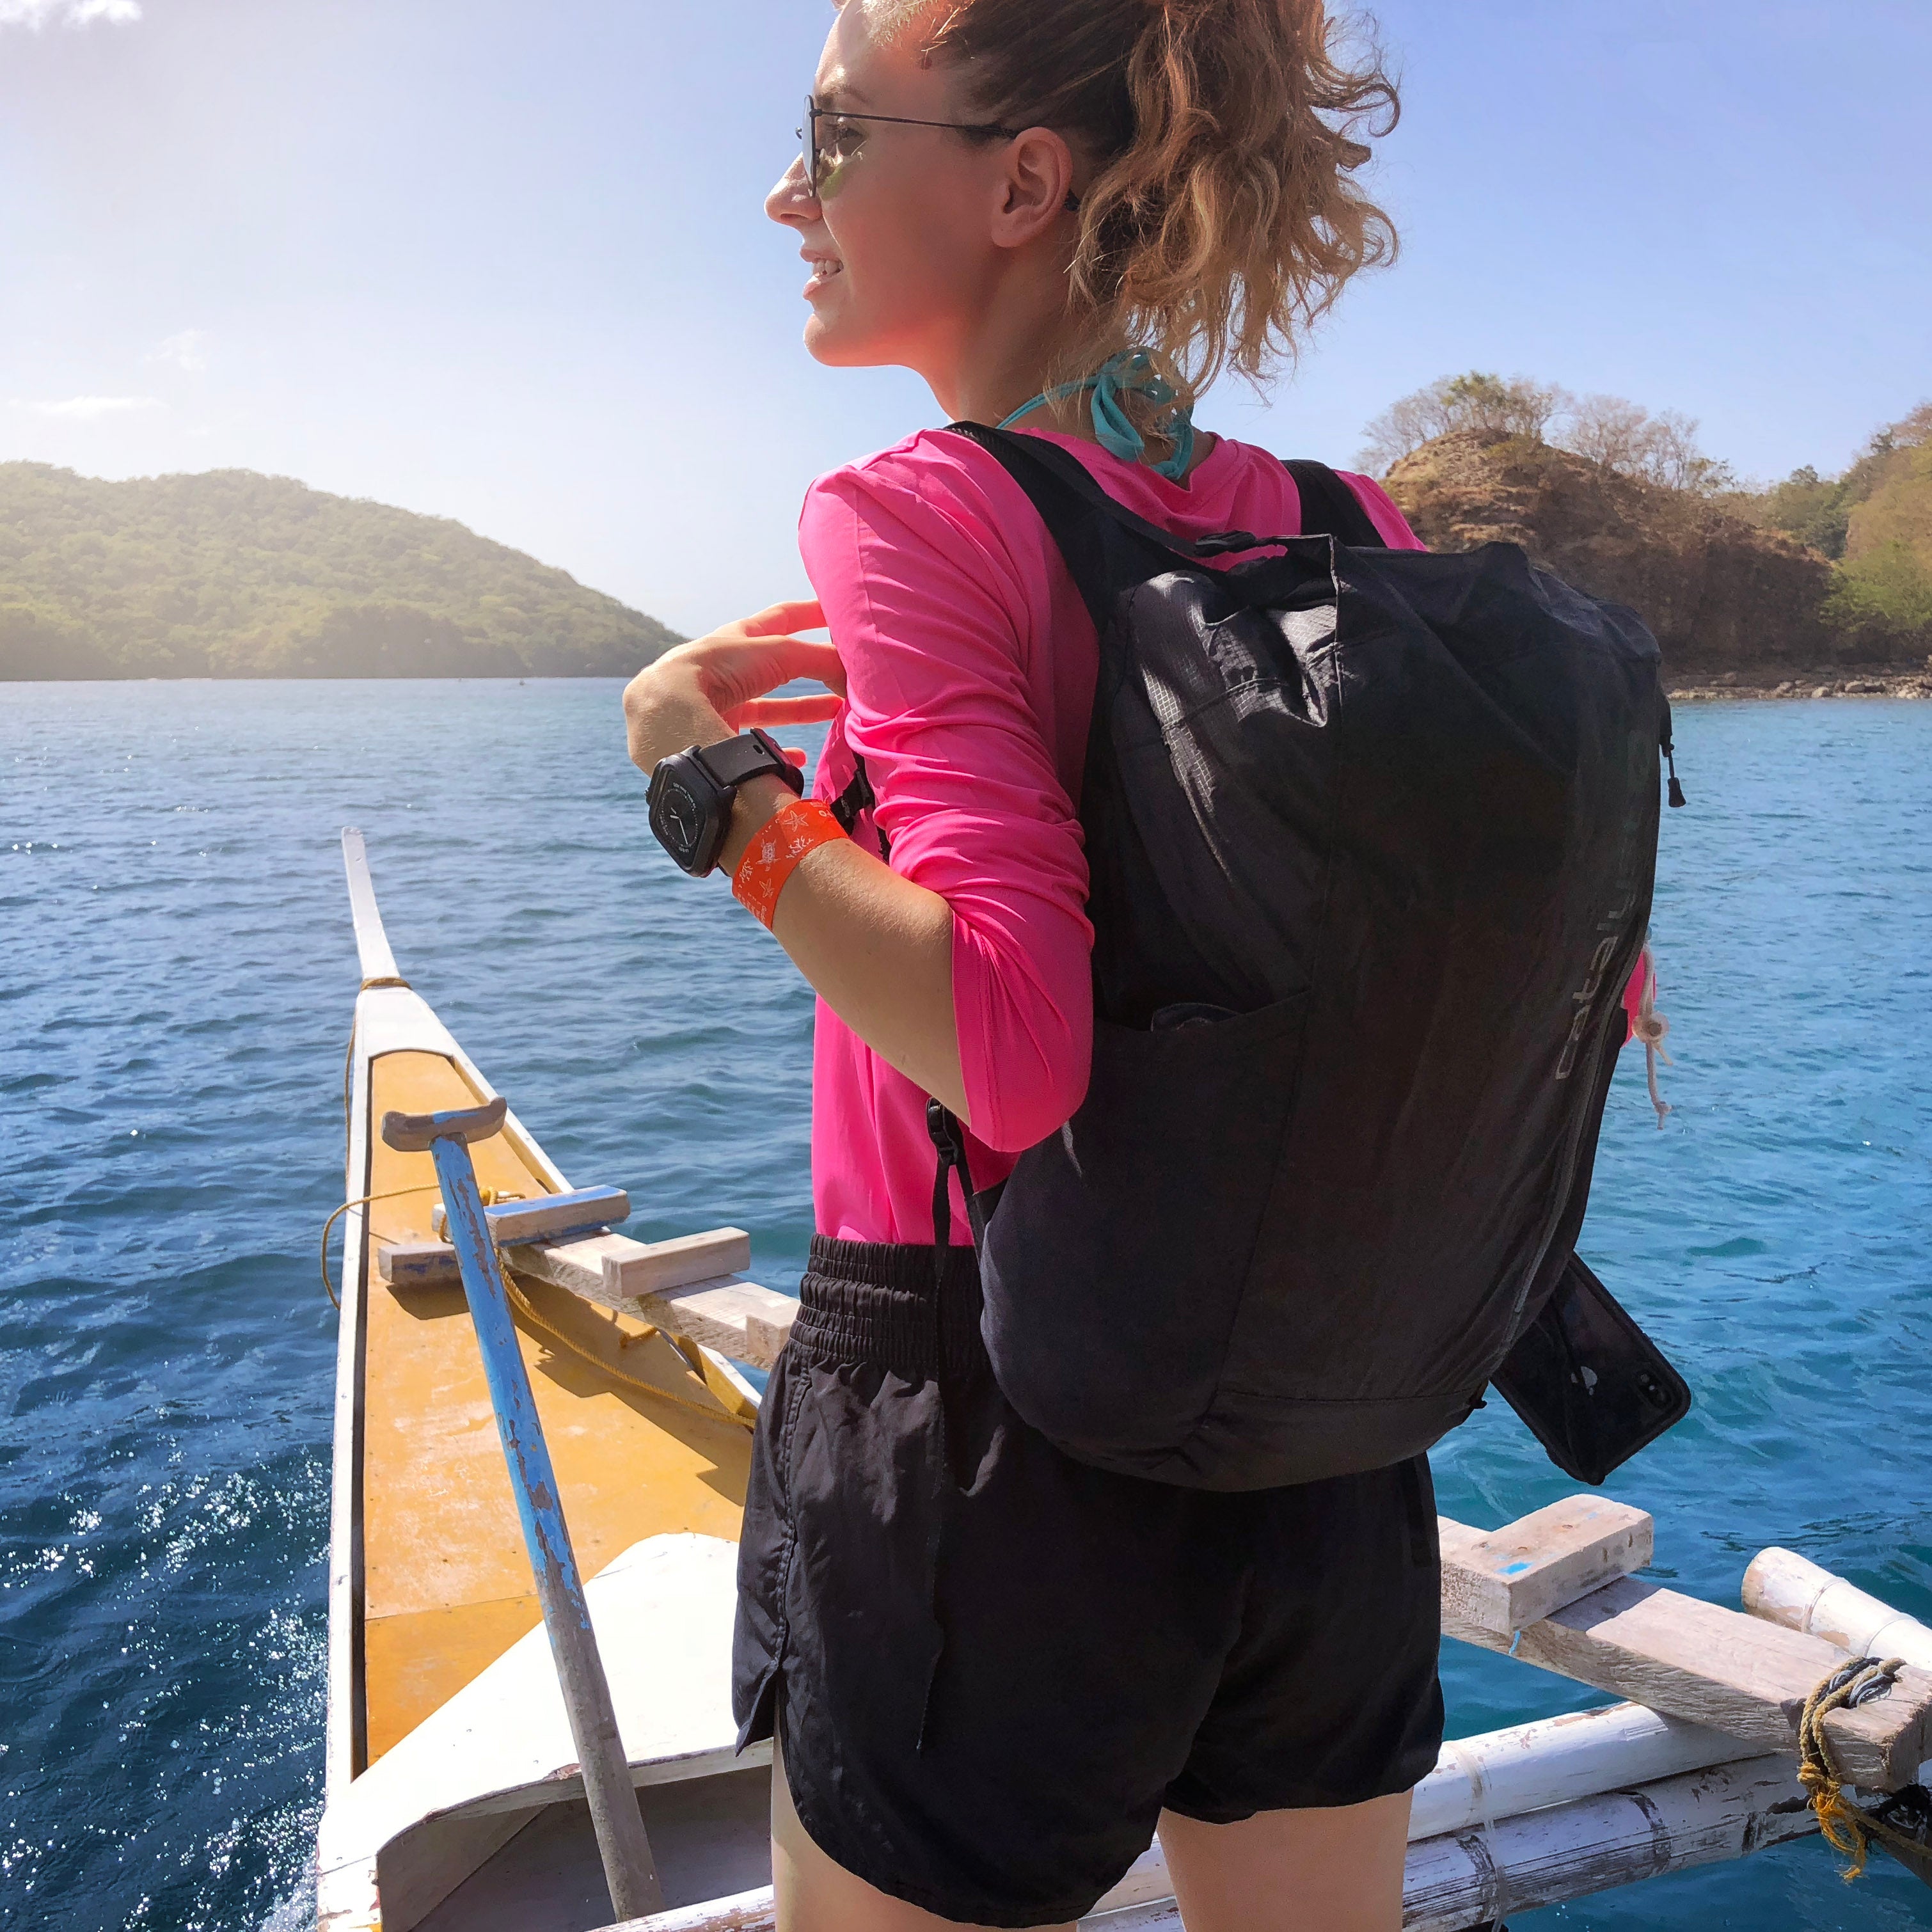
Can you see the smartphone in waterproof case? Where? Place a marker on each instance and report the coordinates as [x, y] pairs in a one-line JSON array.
[[1592, 1386]]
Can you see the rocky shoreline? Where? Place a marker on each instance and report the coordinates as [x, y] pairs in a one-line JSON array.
[[1780, 681]]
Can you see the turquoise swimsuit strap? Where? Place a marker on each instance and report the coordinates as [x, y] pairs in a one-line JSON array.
[[1132, 370]]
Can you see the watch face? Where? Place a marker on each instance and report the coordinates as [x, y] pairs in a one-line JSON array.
[[678, 816]]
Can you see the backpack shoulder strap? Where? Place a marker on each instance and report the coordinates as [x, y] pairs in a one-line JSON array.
[[1105, 544], [1329, 507]]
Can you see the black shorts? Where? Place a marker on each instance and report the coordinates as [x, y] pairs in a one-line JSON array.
[[991, 1667]]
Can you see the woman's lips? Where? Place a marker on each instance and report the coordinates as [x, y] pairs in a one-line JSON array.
[[825, 269]]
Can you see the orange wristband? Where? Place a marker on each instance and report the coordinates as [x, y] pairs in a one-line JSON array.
[[799, 826]]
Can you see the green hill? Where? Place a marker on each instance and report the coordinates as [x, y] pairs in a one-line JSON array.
[[233, 575]]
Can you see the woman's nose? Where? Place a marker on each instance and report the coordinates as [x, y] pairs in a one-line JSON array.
[[792, 201]]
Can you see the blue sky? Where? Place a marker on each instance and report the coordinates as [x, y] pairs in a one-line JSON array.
[[507, 263]]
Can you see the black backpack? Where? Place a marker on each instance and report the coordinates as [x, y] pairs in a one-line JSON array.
[[1371, 836]]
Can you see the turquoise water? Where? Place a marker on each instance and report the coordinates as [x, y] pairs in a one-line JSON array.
[[176, 974]]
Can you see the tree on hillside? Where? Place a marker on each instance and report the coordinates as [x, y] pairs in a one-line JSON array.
[[1817, 510], [1624, 436], [1476, 400], [1884, 593]]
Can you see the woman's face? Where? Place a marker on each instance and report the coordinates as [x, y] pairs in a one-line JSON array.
[[900, 234]]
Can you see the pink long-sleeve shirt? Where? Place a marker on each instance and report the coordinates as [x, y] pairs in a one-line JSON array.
[[969, 661]]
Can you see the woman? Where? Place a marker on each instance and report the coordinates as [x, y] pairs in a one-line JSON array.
[[992, 1671]]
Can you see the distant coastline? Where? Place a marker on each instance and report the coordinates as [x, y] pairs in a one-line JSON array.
[[1780, 683], [230, 574], [1815, 587]]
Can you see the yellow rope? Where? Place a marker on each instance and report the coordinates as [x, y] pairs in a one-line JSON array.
[[521, 1304], [1848, 1828], [362, 1201]]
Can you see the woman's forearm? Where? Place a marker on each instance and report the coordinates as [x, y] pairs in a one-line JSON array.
[[877, 949]]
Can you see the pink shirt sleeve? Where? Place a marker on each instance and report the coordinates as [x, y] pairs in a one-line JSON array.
[[929, 614], [1390, 524]]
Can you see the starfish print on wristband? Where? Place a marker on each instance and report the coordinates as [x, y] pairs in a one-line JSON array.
[[798, 827]]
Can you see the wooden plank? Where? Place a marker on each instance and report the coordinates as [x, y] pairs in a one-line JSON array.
[[1737, 1674], [613, 1270], [683, 1286], [660, 1282], [651, 1267], [1503, 1580], [547, 1216], [736, 1318], [418, 1264], [624, 1268]]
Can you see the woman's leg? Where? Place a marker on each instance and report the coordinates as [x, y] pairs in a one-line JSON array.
[[1330, 1870], [816, 1895]]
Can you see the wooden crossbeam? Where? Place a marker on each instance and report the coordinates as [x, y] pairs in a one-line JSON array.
[[689, 1285], [547, 1217], [1675, 1653]]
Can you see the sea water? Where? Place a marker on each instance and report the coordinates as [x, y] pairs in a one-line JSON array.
[[176, 977]]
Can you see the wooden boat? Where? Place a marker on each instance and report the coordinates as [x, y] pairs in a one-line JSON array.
[[453, 1796]]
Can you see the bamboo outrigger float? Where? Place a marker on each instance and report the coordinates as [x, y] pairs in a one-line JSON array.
[[454, 1797]]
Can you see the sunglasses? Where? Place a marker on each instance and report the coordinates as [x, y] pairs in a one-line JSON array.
[[818, 153]]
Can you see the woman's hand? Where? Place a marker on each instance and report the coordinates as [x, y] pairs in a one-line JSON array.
[[715, 686]]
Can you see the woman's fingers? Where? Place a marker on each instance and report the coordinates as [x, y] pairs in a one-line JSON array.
[[782, 711], [734, 669], [803, 658], [801, 614]]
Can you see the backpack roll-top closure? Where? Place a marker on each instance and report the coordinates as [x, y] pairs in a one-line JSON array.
[[1370, 835]]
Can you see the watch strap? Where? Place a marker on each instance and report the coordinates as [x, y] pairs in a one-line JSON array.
[[747, 756]]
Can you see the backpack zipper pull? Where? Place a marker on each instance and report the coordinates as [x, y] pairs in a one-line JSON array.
[[1670, 758]]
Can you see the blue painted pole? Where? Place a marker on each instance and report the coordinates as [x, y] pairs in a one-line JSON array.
[[629, 1870]]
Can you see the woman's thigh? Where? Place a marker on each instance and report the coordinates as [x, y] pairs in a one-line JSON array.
[[815, 1894], [1336, 1869]]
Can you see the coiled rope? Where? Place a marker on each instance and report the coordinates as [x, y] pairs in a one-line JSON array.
[[1850, 1827]]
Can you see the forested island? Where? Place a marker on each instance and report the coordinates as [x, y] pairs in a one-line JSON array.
[[230, 574], [1815, 585]]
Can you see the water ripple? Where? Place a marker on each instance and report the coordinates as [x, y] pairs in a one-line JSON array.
[[177, 974]]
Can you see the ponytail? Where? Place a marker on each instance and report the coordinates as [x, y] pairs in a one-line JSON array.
[[1221, 218]]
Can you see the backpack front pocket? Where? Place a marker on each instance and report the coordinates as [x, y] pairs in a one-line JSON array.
[[1114, 1267]]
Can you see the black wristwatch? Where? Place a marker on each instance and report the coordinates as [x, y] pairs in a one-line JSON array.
[[691, 792]]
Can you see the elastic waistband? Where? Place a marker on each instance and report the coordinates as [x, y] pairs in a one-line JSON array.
[[885, 1302]]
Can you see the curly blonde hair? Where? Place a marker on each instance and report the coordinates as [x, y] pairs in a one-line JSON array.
[[1223, 217]]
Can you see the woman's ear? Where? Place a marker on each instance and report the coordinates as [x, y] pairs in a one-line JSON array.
[[1035, 187]]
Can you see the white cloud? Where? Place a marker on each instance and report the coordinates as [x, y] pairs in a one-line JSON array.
[[187, 351], [92, 408], [36, 14]]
